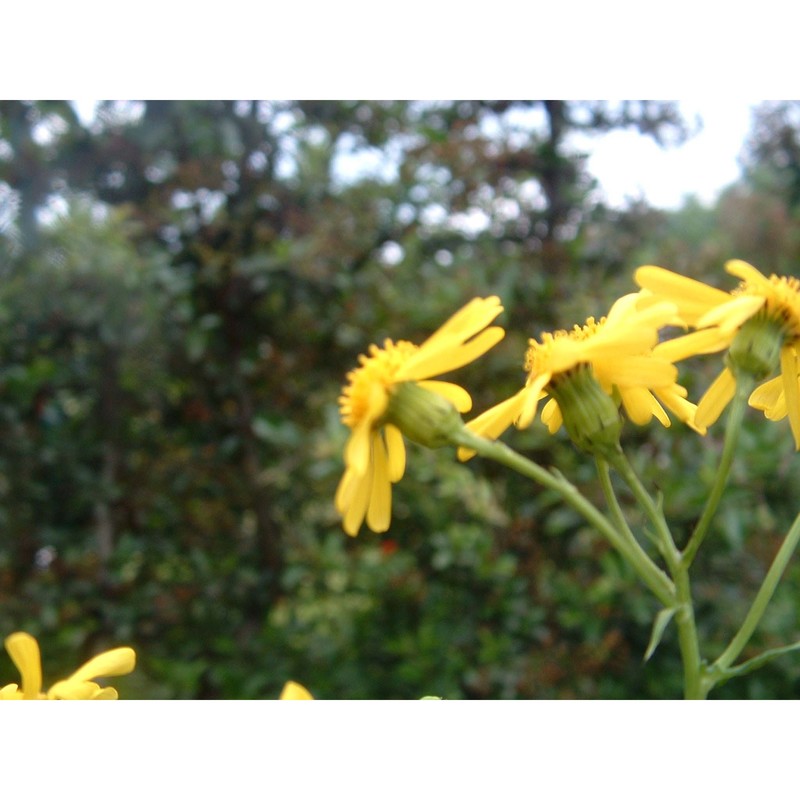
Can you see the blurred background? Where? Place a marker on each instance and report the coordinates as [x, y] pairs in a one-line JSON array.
[[183, 286]]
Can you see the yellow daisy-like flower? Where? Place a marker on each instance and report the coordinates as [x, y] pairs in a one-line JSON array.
[[617, 350], [24, 652], [759, 322], [375, 456]]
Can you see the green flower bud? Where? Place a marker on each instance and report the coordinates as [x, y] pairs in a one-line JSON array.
[[756, 348], [591, 417], [423, 416]]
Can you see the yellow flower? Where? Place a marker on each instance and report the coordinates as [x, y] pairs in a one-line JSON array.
[[24, 652], [375, 455], [295, 691], [618, 351], [759, 322]]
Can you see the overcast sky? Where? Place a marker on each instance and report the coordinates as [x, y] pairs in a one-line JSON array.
[[629, 165]]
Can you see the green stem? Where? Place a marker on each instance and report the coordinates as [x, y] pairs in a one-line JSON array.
[[744, 385], [611, 498], [761, 600], [693, 686], [666, 544], [615, 508], [653, 577]]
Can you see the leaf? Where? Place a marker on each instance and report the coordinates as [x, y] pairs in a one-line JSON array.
[[758, 661], [659, 626]]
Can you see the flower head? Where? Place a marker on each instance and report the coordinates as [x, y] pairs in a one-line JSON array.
[[617, 353], [375, 453], [759, 323], [24, 652]]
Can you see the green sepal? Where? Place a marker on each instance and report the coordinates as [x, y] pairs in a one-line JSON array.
[[756, 348], [423, 416]]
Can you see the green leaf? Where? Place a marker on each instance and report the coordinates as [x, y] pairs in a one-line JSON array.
[[758, 661], [659, 626]]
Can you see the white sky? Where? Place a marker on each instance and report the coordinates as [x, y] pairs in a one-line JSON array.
[[629, 165]]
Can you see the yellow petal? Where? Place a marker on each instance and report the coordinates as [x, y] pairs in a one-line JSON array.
[[451, 391], [447, 355], [352, 498], [641, 406], [674, 398], [637, 371], [357, 449], [746, 272], [790, 390], [530, 400], [770, 399], [733, 314], [692, 297], [396, 450], [119, 661], [295, 691], [345, 490], [10, 692], [646, 299], [552, 416], [379, 510], [75, 690], [717, 396], [709, 340], [24, 652], [622, 307], [494, 421], [466, 322]]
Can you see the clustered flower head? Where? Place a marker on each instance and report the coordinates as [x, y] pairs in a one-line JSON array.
[[616, 353], [24, 652], [375, 455], [587, 375], [759, 323]]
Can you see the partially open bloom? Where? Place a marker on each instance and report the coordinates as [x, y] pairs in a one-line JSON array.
[[375, 453], [295, 691], [759, 323], [24, 652], [614, 353]]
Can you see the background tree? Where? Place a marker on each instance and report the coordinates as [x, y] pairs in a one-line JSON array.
[[185, 285]]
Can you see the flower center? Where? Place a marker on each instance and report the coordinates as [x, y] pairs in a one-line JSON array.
[[783, 301], [368, 386], [539, 357]]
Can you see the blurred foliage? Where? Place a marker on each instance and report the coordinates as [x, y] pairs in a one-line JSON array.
[[184, 286]]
